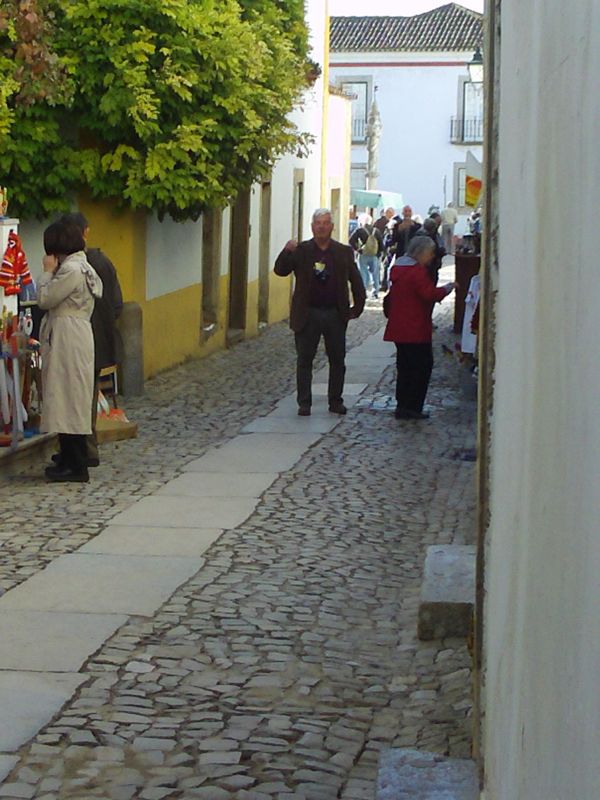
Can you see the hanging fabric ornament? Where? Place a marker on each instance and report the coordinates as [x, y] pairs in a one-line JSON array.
[[14, 272]]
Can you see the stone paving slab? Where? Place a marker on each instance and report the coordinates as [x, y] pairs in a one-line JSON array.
[[350, 388], [30, 700], [448, 591], [274, 423], [6, 765], [407, 774], [149, 541], [187, 512], [40, 641], [102, 584], [218, 484], [256, 452], [288, 407]]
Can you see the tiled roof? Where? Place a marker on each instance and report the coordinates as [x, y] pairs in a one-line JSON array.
[[447, 28]]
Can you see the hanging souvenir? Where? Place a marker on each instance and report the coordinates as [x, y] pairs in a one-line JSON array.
[[14, 272]]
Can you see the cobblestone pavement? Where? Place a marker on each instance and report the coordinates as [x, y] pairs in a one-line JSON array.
[[290, 660], [184, 411]]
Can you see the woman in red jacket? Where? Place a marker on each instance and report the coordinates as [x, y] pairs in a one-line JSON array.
[[409, 326]]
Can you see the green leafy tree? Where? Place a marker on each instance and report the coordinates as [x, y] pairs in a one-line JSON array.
[[35, 160], [177, 105]]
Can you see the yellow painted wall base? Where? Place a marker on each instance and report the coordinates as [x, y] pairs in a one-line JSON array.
[[173, 324]]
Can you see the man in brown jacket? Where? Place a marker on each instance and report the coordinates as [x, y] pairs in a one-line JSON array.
[[323, 268]]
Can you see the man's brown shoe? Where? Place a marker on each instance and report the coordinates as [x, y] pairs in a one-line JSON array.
[[338, 408], [304, 411]]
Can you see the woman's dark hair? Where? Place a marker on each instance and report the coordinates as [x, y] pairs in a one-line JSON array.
[[63, 238], [77, 218]]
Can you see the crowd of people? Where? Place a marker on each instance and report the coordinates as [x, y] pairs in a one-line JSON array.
[[378, 243]]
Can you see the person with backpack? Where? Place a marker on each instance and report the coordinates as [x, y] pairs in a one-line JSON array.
[[367, 241]]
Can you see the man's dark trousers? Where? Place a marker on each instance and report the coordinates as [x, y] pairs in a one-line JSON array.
[[328, 323], [414, 363]]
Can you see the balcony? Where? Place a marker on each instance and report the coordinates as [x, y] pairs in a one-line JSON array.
[[359, 129], [466, 131]]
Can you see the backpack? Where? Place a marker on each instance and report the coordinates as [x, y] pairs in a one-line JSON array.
[[371, 246]]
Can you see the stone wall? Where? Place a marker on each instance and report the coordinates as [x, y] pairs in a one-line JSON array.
[[542, 628]]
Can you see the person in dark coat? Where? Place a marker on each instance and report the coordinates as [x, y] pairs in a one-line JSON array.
[[430, 228], [404, 230], [323, 268], [107, 310], [409, 325]]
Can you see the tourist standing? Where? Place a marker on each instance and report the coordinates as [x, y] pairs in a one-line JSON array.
[[404, 230], [107, 309], [367, 241], [430, 228], [449, 220], [67, 291], [409, 325], [323, 268]]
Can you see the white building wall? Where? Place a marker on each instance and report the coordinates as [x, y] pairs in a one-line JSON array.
[[416, 102], [542, 620], [173, 255]]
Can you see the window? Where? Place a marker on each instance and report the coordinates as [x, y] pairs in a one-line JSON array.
[[358, 176], [461, 187], [472, 112], [360, 92]]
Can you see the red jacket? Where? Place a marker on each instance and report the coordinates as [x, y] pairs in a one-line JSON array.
[[411, 302]]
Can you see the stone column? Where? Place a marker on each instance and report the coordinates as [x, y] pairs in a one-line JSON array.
[[374, 128]]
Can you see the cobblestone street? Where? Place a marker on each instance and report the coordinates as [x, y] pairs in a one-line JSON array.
[[290, 659]]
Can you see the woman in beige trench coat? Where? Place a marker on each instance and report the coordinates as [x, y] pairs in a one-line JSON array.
[[67, 291]]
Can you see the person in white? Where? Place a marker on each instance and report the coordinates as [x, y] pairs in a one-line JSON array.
[[449, 220], [469, 339]]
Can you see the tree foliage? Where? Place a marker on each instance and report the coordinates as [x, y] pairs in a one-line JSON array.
[[176, 104]]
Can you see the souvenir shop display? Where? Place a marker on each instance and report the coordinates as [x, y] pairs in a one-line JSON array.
[[20, 379]]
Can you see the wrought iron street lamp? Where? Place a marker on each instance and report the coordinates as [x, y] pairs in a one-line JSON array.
[[475, 66]]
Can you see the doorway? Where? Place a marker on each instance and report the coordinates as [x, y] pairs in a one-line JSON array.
[[264, 254], [212, 228], [238, 266], [336, 213], [298, 205]]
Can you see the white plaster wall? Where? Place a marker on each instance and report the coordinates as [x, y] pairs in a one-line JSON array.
[[542, 620], [416, 104], [173, 255], [337, 136]]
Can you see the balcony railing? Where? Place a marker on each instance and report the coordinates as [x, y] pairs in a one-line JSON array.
[[359, 129], [466, 131]]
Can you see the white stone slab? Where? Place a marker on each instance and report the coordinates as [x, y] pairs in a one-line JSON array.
[[273, 423], [370, 362], [219, 484], [187, 512], [129, 540], [40, 641], [368, 375], [6, 765], [320, 389], [99, 584], [256, 452], [288, 407], [29, 701]]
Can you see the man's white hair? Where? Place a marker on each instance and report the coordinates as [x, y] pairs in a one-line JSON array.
[[365, 219], [322, 212]]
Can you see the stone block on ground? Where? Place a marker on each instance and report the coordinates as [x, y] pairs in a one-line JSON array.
[[447, 592], [414, 775]]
